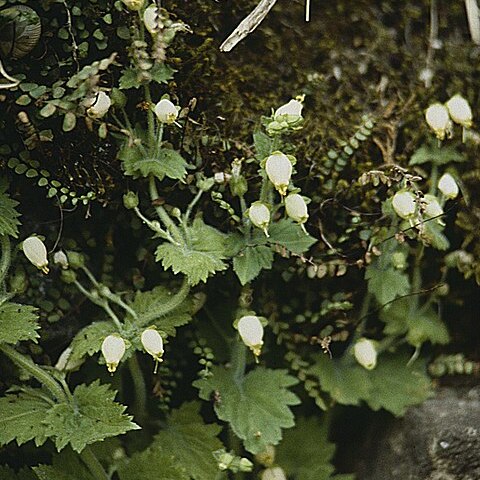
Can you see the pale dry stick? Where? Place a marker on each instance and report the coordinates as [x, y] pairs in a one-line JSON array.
[[307, 10], [14, 81], [473, 17], [248, 24]]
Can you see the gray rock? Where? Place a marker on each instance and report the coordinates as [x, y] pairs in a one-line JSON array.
[[439, 440]]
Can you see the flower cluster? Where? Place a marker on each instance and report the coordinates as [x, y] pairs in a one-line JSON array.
[[439, 116]]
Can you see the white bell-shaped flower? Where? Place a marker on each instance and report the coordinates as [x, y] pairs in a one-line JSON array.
[[404, 204], [259, 215], [296, 208], [133, 5], [251, 332], [166, 111], [365, 353], [432, 206], [438, 119], [98, 106], [274, 473], [291, 112], [279, 171], [113, 349], [153, 343], [460, 111], [65, 363], [60, 258], [36, 252], [448, 186], [151, 19]]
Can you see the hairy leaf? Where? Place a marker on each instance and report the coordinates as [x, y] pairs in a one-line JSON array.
[[153, 463], [437, 155], [8, 215], [290, 235], [307, 460], [18, 322], [191, 441], [22, 417], [386, 284], [93, 417], [263, 145], [7, 473], [201, 257], [256, 406], [250, 262], [67, 465]]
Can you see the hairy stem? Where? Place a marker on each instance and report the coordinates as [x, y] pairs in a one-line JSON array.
[[140, 406], [36, 371], [6, 257], [93, 464]]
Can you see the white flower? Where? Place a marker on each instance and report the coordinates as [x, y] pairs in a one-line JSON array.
[[166, 111], [36, 252], [448, 186], [404, 204], [134, 5], [274, 473], [365, 353], [279, 170], [432, 206], [251, 331], [290, 112], [151, 19], [153, 343], [60, 258], [113, 349], [296, 208], [65, 364], [438, 119], [460, 111], [259, 215], [98, 106]]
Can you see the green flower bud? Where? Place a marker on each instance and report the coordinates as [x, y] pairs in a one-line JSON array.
[[130, 200]]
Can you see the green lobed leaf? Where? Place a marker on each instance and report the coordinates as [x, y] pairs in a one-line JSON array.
[[22, 417], [66, 465], [88, 340], [291, 236], [8, 214], [162, 73], [18, 322], [153, 463], [191, 441], [433, 234], [391, 385], [307, 460], [93, 417], [146, 302], [201, 257], [386, 284], [263, 145], [248, 263], [256, 406], [437, 155]]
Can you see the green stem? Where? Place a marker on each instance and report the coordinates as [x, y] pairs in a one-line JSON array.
[[433, 180], [150, 115], [162, 214], [239, 361], [156, 228], [6, 257], [140, 389], [191, 205], [93, 464], [173, 303], [37, 372], [417, 273]]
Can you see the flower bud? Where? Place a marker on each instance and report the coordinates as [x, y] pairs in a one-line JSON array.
[[365, 353], [460, 111], [448, 186], [274, 473], [113, 349], [60, 258], [153, 343], [259, 215], [432, 207], [438, 119], [98, 106], [133, 5], [251, 331], [36, 252], [296, 208], [130, 200], [279, 170], [404, 204], [166, 111], [151, 19], [291, 112], [64, 363]]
